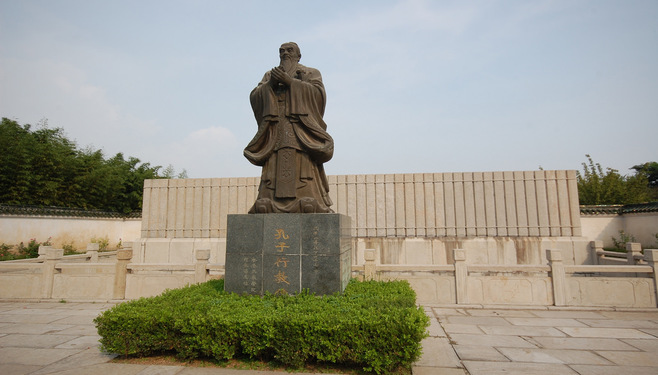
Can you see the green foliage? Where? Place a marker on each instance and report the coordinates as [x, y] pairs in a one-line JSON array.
[[598, 187], [69, 249], [5, 252], [103, 242], [43, 167], [620, 244], [32, 248], [374, 325], [650, 171]]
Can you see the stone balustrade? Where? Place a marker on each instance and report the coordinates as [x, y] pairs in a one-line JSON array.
[[553, 283]]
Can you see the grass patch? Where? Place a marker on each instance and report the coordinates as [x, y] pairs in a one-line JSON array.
[[373, 326]]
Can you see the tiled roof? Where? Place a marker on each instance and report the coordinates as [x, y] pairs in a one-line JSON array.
[[63, 212], [618, 209]]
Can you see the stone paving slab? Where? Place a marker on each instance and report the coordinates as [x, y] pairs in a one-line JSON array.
[[437, 371], [501, 313], [521, 331], [491, 340], [631, 358], [546, 322], [569, 314], [479, 353], [478, 320], [622, 333], [617, 323], [582, 357], [579, 343], [462, 328], [34, 328], [437, 352], [652, 332], [15, 369], [613, 370], [517, 368], [644, 345], [84, 358], [34, 356]]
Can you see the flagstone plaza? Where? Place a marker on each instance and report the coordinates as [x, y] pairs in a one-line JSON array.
[[60, 338]]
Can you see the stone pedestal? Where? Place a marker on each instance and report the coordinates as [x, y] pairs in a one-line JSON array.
[[279, 253]]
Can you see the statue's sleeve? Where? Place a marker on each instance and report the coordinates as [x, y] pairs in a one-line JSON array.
[[263, 100], [307, 97]]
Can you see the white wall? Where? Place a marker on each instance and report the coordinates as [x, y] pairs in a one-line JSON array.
[[66, 230], [642, 226]]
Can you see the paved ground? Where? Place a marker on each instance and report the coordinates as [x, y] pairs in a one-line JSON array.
[[60, 338], [540, 341]]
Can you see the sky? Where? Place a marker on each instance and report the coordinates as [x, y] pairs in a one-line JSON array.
[[413, 86]]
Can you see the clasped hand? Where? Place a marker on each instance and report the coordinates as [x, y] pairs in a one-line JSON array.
[[278, 75]]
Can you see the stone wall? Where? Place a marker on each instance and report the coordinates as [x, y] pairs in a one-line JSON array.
[[474, 204], [500, 217]]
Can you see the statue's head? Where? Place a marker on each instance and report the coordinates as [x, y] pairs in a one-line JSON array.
[[290, 51]]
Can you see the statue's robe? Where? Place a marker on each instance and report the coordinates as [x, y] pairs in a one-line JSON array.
[[291, 144]]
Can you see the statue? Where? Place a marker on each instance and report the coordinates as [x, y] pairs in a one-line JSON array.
[[291, 143]]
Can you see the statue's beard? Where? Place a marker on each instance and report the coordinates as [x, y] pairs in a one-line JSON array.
[[288, 64]]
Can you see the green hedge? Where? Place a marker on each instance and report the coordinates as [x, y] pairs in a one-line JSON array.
[[373, 325]]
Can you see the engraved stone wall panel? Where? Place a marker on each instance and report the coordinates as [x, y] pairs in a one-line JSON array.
[[215, 218], [390, 205], [409, 206], [574, 211], [520, 204], [481, 204], [469, 204], [480, 201], [563, 204], [430, 212], [146, 208], [380, 206], [510, 207], [449, 200], [531, 203], [499, 196], [361, 207]]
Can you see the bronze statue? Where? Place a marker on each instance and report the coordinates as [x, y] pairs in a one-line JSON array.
[[292, 142]]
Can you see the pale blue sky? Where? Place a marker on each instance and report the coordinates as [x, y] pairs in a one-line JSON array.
[[412, 86]]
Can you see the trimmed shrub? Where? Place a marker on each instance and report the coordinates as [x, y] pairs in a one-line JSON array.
[[373, 325]]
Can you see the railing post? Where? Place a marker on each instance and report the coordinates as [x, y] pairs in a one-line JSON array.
[[597, 251], [92, 252], [461, 276], [121, 272], [369, 268], [42, 251], [558, 277], [50, 257], [633, 253], [200, 267], [651, 257]]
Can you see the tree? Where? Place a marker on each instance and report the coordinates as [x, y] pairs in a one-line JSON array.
[[598, 187], [650, 171], [44, 168]]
